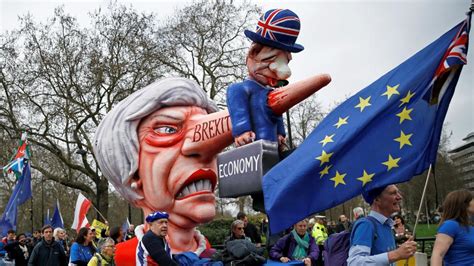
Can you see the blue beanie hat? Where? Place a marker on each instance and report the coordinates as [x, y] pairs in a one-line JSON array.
[[156, 216], [369, 196]]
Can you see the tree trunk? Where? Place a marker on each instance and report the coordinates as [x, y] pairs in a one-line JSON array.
[[102, 198]]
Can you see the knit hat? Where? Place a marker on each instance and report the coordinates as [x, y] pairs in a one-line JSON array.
[[369, 196]]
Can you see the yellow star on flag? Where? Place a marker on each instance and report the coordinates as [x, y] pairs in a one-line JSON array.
[[391, 163], [338, 179], [407, 98], [327, 139], [325, 171], [342, 121], [405, 114], [365, 178], [363, 103], [324, 158], [391, 91], [403, 139]]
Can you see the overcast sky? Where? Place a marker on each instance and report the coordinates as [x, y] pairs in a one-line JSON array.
[[356, 42]]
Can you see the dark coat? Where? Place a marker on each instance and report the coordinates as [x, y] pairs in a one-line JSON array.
[[16, 253], [340, 227], [251, 231], [286, 246], [48, 254]]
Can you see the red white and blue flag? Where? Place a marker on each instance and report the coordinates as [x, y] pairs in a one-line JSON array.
[[457, 52], [385, 134], [273, 23], [22, 155]]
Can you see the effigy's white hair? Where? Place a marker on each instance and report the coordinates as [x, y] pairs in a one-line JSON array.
[[116, 145]]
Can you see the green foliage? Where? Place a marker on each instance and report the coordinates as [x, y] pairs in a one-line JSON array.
[[423, 230], [217, 230]]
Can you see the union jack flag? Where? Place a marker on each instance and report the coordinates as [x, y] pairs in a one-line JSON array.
[[278, 22], [457, 51], [454, 57], [21, 157]]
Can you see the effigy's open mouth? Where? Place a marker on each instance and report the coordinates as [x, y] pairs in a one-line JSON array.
[[200, 182]]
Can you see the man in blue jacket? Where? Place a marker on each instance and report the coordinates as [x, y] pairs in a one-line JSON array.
[[372, 242]]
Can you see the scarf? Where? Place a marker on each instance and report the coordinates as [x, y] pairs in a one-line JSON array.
[[302, 244], [24, 249]]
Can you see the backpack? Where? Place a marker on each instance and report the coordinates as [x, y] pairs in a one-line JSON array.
[[336, 247]]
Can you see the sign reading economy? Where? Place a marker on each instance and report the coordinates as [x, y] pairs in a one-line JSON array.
[[240, 170]]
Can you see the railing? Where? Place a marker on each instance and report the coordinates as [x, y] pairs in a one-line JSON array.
[[426, 244]]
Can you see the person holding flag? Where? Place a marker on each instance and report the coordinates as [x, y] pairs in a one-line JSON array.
[[385, 134], [372, 240]]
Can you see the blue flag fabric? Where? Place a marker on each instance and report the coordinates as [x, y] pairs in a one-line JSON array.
[[57, 220], [385, 134], [125, 226], [47, 220], [21, 193]]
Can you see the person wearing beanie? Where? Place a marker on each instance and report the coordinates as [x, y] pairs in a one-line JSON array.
[[153, 248], [372, 241]]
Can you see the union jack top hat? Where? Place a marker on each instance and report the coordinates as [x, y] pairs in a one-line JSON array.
[[277, 28]]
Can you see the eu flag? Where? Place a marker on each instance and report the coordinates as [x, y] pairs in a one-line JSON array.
[[385, 134], [57, 220], [21, 193]]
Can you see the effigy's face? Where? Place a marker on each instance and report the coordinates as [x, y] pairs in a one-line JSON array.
[[176, 178], [269, 65]]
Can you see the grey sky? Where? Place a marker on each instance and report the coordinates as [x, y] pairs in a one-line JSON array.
[[354, 41]]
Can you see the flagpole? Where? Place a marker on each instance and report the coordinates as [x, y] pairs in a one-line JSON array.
[[105, 220], [42, 199], [421, 201], [419, 208], [31, 215]]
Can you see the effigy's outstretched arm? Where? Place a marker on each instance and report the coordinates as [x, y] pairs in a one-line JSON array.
[[282, 99], [215, 130]]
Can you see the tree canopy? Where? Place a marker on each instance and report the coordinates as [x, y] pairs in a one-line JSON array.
[[58, 79]]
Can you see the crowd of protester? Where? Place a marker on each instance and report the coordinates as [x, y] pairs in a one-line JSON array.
[[50, 246], [380, 237]]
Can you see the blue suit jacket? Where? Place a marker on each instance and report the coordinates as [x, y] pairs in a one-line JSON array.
[[247, 104]]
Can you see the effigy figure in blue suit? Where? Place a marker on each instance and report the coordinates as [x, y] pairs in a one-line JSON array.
[[267, 64]]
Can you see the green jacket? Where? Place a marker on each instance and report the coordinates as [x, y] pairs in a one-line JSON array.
[[101, 260], [320, 233]]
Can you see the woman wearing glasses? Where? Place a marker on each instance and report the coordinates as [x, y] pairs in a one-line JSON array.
[[237, 231], [105, 256]]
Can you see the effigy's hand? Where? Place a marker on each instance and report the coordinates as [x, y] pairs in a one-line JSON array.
[[244, 138], [281, 140]]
